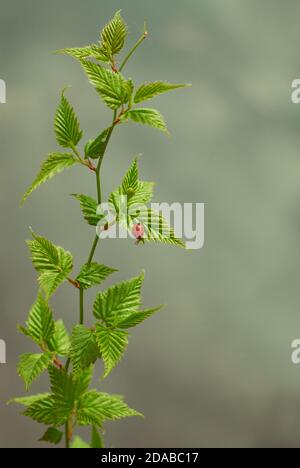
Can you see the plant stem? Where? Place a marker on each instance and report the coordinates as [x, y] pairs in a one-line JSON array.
[[99, 194], [67, 435], [134, 48], [76, 152], [67, 365], [99, 197], [91, 256], [81, 304]]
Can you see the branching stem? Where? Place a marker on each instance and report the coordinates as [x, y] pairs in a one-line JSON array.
[[97, 170]]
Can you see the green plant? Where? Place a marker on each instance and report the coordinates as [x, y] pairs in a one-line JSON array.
[[69, 359]]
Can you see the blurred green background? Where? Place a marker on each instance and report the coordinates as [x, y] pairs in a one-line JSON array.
[[214, 368]]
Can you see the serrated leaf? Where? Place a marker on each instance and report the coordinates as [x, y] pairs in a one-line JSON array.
[[155, 226], [114, 34], [42, 411], [150, 90], [29, 400], [80, 53], [66, 390], [79, 443], [60, 341], [66, 124], [94, 149], [96, 439], [83, 379], [112, 86], [40, 323], [133, 319], [84, 349], [119, 299], [95, 408], [137, 192], [55, 164], [52, 435], [51, 261], [32, 365], [89, 207], [112, 345], [146, 116], [92, 274], [64, 393]]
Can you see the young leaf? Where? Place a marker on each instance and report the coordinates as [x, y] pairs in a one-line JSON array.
[[52, 435], [32, 365], [146, 116], [150, 90], [66, 391], [66, 125], [89, 208], [83, 380], [112, 344], [112, 86], [114, 34], [40, 323], [60, 342], [96, 439], [42, 411], [130, 182], [92, 274], [120, 299], [29, 400], [79, 443], [52, 262], [95, 408], [137, 192], [55, 163], [84, 349], [156, 228], [94, 149], [132, 319], [80, 53]]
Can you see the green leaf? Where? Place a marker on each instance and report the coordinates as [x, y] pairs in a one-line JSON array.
[[84, 349], [40, 323], [112, 86], [137, 192], [96, 439], [112, 345], [95, 408], [92, 274], [66, 125], [52, 435], [83, 380], [52, 262], [55, 164], [89, 207], [118, 300], [32, 365], [80, 53], [133, 319], [156, 227], [79, 443], [42, 411], [94, 149], [60, 342], [114, 34], [146, 116], [150, 90], [66, 391], [29, 400]]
